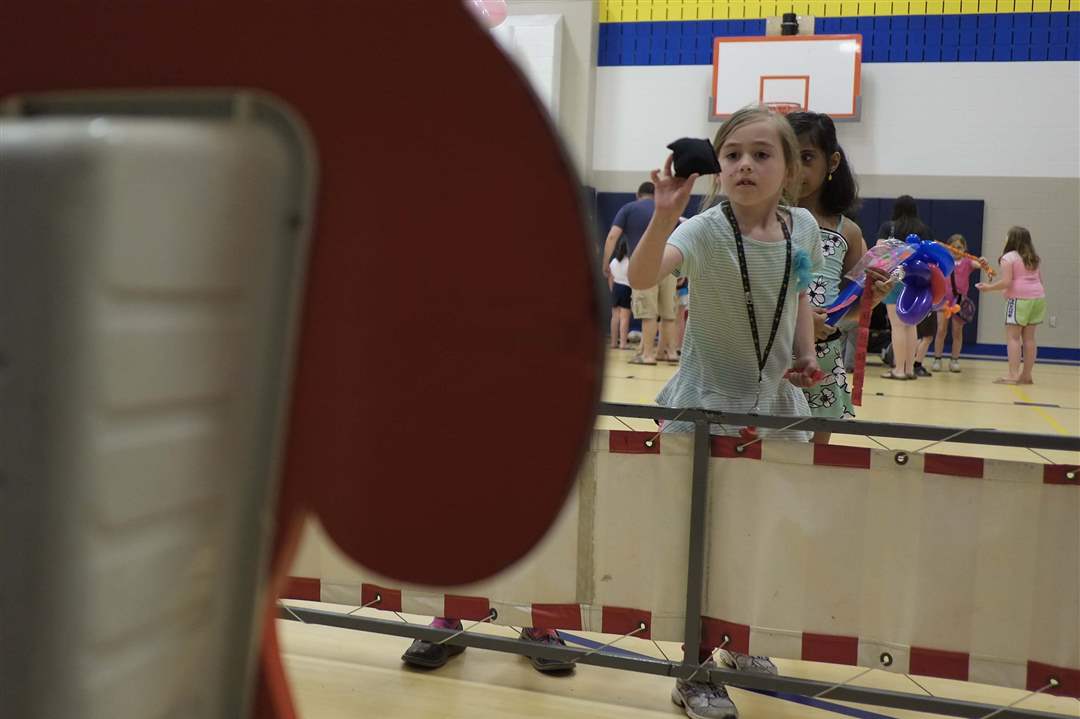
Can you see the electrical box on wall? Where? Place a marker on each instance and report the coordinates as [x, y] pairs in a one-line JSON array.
[[804, 25]]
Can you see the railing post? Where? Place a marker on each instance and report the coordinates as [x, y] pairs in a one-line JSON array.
[[695, 574]]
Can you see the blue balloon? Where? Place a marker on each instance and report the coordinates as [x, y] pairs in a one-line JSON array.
[[941, 257], [916, 273], [921, 252], [913, 304]]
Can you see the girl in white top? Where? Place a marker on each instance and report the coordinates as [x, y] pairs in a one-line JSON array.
[[749, 260], [620, 296]]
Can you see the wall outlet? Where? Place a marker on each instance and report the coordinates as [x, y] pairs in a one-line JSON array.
[[1053, 320]]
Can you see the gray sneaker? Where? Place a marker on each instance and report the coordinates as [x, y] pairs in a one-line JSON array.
[[704, 700], [746, 663]]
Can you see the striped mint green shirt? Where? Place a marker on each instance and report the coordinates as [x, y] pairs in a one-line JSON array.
[[718, 369]]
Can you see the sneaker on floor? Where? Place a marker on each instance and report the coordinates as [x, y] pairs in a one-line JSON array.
[[954, 365], [550, 637], [428, 655], [746, 662], [704, 700], [921, 371], [936, 364]]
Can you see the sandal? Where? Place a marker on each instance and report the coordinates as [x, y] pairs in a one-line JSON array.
[[890, 375], [638, 359]]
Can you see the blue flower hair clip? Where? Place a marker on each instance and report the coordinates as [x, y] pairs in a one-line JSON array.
[[800, 266]]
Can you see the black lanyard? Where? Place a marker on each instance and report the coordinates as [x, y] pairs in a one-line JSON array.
[[761, 358]]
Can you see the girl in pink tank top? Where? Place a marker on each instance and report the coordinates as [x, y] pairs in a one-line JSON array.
[[961, 283], [1025, 306]]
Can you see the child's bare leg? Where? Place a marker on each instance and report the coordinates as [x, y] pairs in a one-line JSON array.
[[1014, 342], [957, 337], [939, 338], [1028, 336], [624, 327]]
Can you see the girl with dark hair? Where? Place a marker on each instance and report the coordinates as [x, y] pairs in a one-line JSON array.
[[908, 342], [620, 295], [905, 221], [828, 189]]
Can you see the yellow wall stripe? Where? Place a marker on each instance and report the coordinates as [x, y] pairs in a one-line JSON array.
[[661, 10]]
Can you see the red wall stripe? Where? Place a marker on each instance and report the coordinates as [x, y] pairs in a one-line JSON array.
[[309, 588], [713, 631], [1059, 474], [625, 442], [953, 466], [472, 608], [830, 648], [725, 447], [556, 616], [620, 620], [1038, 676], [390, 598], [939, 663], [834, 455]]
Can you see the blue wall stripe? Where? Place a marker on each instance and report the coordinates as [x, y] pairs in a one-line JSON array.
[[991, 37], [1047, 355]]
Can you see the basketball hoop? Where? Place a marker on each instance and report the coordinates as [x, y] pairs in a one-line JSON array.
[[780, 71], [783, 108]]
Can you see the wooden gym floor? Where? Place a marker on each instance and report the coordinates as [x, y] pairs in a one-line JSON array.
[[342, 674]]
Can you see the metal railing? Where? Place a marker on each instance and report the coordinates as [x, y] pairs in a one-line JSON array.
[[691, 666]]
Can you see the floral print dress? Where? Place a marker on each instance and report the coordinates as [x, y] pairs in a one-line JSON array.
[[831, 397]]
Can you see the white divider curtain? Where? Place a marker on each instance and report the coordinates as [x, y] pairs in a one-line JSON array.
[[943, 566]]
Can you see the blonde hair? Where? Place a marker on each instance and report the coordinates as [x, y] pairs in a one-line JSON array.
[[954, 239], [789, 143]]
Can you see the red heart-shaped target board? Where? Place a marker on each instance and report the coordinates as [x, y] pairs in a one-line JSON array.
[[449, 360]]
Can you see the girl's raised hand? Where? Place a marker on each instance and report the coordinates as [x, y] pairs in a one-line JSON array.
[[672, 194]]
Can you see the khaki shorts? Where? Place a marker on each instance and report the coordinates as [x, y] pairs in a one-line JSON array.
[[656, 302]]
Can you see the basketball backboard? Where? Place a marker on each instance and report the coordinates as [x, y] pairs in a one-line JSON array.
[[820, 73]]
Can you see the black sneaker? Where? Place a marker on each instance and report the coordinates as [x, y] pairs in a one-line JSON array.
[[427, 655], [540, 664], [921, 371]]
